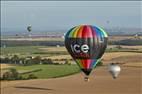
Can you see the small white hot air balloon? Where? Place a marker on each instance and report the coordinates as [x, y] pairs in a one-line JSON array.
[[114, 69]]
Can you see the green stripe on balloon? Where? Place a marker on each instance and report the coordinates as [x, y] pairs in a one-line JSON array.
[[78, 61], [105, 34]]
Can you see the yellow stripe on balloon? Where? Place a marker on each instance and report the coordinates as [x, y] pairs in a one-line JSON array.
[[72, 32], [75, 32], [79, 63]]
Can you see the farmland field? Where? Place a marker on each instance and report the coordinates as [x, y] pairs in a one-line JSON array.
[[53, 50], [128, 57], [111, 38], [50, 71], [19, 50], [32, 51], [3, 66]]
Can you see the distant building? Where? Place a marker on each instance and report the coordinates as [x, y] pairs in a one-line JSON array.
[[57, 46], [4, 46], [136, 36]]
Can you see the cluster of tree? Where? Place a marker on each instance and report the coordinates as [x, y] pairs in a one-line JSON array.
[[63, 59], [13, 74], [53, 53], [67, 61], [25, 60], [31, 60]]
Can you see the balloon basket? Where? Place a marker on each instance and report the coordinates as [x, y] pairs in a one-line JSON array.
[[86, 79], [114, 77]]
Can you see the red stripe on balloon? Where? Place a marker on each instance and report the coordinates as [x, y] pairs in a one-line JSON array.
[[89, 61], [86, 63], [87, 32]]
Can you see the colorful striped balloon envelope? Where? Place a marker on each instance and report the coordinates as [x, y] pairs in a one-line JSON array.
[[86, 44]]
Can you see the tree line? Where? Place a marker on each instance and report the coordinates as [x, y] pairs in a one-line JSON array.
[[29, 60]]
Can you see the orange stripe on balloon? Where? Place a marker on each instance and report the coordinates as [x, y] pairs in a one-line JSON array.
[[79, 33], [76, 31]]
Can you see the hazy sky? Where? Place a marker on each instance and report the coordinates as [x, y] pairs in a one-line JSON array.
[[62, 15]]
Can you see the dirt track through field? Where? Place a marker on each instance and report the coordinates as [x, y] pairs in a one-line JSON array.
[[101, 82]]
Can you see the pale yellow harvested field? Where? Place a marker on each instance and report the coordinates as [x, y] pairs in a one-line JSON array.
[[133, 47], [129, 47], [60, 57], [101, 82], [117, 38], [128, 59], [106, 56], [134, 64], [53, 49], [109, 56], [2, 66]]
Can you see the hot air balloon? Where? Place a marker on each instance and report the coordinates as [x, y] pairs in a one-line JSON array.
[[86, 44], [29, 28], [114, 69]]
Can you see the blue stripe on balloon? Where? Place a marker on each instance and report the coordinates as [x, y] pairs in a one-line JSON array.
[[93, 63], [98, 32], [101, 34], [95, 30]]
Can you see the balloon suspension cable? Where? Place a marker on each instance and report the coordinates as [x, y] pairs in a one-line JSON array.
[[86, 78]]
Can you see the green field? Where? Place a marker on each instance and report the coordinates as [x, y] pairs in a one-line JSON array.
[[20, 50], [24, 51], [49, 71]]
